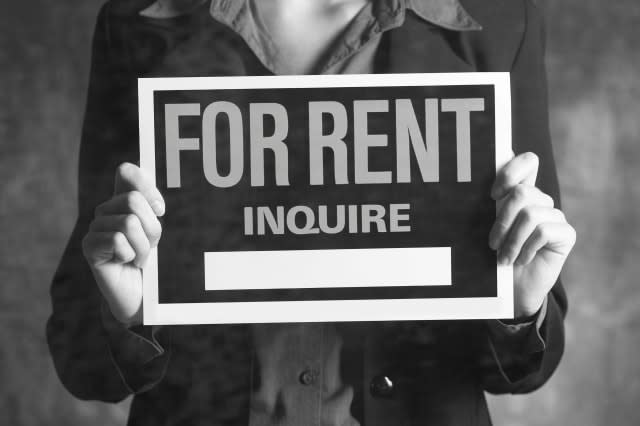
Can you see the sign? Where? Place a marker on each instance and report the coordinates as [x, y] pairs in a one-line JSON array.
[[325, 197]]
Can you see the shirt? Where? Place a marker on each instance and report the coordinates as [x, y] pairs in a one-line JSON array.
[[299, 364]]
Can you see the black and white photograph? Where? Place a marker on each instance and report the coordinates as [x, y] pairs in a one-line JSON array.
[[320, 213]]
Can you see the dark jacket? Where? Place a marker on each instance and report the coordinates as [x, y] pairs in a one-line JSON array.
[[203, 375]]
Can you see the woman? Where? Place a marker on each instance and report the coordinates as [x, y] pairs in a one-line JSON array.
[[303, 374]]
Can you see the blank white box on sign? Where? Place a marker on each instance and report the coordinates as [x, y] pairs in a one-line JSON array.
[[285, 269]]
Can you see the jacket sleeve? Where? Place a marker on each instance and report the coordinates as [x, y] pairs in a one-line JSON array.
[[516, 364], [95, 356]]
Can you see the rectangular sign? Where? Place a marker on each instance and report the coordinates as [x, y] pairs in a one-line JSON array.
[[325, 197]]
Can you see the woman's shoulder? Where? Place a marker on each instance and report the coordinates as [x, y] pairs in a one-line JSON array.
[[152, 9], [504, 17], [138, 32], [506, 24]]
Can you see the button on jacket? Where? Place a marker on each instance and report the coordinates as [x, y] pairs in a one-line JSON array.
[[391, 373]]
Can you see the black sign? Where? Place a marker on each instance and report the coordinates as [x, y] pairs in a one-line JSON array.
[[325, 198]]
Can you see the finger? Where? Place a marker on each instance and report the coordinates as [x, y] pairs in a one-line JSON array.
[[133, 202], [129, 225], [525, 224], [520, 197], [130, 177], [522, 169], [559, 237], [102, 247]]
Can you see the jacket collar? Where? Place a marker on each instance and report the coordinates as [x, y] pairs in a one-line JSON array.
[[447, 14]]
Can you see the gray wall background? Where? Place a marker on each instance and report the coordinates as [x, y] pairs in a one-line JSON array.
[[593, 64]]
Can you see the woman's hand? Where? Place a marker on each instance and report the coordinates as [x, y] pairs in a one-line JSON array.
[[529, 233], [124, 230]]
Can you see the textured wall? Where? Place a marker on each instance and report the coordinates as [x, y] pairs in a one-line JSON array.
[[595, 95], [43, 73]]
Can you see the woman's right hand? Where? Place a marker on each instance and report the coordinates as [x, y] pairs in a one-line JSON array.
[[125, 228]]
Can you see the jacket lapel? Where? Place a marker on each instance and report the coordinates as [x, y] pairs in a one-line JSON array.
[[420, 46]]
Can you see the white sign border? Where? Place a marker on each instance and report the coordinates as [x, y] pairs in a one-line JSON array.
[[155, 313]]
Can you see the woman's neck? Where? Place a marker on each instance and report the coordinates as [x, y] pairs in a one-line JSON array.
[[303, 30]]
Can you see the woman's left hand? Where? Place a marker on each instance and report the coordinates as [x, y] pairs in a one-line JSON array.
[[529, 233]]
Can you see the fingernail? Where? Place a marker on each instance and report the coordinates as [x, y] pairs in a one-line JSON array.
[[503, 259], [493, 243], [158, 207]]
